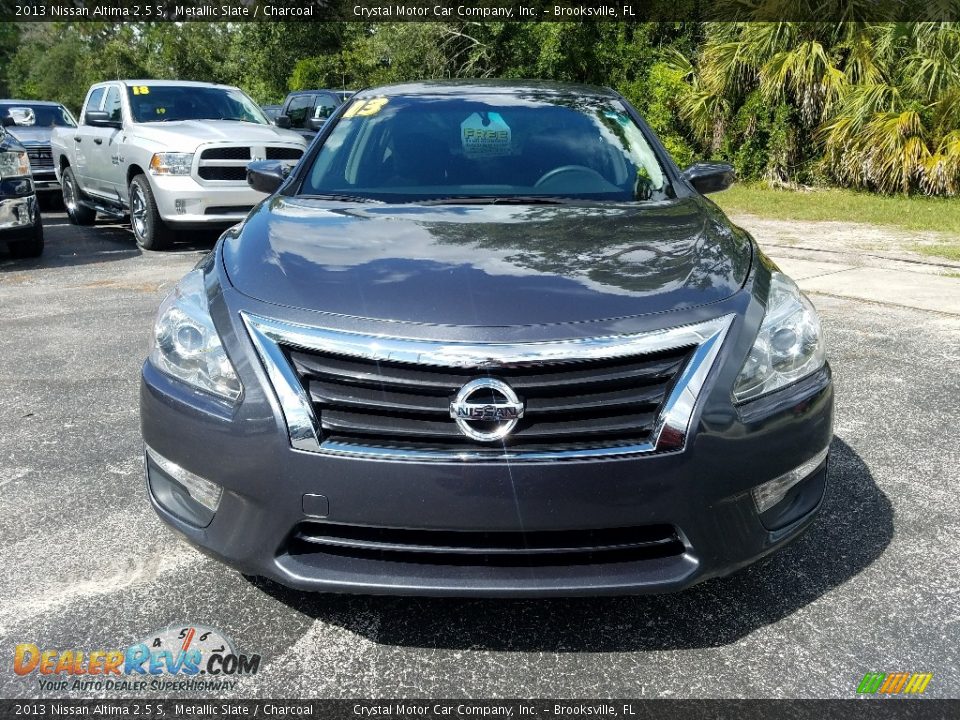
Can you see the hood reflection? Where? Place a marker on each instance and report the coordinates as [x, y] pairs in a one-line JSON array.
[[488, 264]]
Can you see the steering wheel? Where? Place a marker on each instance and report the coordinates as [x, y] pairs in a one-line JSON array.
[[588, 174]]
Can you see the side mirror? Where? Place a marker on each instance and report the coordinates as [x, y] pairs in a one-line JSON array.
[[283, 121], [8, 121], [100, 118], [316, 123], [710, 177], [267, 176]]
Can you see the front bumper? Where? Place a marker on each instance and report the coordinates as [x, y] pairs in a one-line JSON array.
[[18, 216], [46, 181], [702, 494], [181, 200]]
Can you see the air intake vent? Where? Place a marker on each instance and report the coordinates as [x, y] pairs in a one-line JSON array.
[[226, 153], [455, 547]]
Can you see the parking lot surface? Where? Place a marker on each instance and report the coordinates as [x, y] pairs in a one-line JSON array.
[[85, 564]]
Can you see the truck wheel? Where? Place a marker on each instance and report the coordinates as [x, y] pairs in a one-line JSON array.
[[148, 227], [29, 248], [78, 214]]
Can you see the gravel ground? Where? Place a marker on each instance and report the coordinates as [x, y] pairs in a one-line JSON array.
[[873, 587]]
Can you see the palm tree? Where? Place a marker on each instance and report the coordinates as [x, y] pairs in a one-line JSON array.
[[877, 105]]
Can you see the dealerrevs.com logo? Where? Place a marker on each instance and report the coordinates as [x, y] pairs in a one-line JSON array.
[[894, 683], [177, 658]]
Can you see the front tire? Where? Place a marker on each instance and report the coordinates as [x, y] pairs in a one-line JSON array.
[[78, 213], [31, 248], [148, 227]]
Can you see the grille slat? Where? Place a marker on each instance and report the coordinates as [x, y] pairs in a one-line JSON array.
[[340, 422], [443, 381], [601, 403], [367, 399]]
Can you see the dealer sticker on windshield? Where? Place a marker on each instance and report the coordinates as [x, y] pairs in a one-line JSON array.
[[485, 139]]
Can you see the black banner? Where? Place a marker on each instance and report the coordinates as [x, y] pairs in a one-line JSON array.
[[476, 10], [544, 709]]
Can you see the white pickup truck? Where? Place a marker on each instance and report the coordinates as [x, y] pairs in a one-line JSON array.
[[170, 154]]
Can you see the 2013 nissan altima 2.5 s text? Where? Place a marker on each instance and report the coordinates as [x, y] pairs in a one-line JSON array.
[[487, 339]]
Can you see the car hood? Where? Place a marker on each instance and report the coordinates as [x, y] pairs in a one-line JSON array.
[[487, 264], [184, 134], [31, 135]]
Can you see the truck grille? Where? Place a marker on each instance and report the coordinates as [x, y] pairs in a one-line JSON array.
[[567, 405], [495, 548], [229, 163], [41, 157]]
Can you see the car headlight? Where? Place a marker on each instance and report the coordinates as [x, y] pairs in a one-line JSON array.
[[789, 345], [186, 344], [14, 164], [171, 163]]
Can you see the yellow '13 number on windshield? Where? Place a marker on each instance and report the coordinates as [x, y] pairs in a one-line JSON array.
[[365, 108]]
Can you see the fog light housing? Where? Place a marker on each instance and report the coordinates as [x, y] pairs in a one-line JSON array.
[[183, 494], [787, 498], [180, 206]]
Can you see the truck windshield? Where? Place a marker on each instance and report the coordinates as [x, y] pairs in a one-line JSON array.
[[170, 103], [487, 148], [34, 115]]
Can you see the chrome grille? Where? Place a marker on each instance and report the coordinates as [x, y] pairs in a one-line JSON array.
[[355, 394], [228, 163], [41, 158], [575, 404]]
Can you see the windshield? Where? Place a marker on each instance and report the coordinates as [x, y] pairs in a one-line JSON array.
[[30, 115], [169, 103], [494, 147]]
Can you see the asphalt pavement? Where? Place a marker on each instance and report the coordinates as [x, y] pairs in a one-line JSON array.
[[85, 564]]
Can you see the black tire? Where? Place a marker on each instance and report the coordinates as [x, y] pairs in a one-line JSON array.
[[30, 248], [148, 227], [78, 213]]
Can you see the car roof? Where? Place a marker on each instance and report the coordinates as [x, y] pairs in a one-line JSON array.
[[174, 83], [310, 92], [487, 87], [52, 103]]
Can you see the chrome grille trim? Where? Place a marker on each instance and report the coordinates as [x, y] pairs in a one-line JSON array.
[[269, 335]]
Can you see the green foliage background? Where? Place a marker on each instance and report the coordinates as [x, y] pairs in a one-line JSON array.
[[872, 106]]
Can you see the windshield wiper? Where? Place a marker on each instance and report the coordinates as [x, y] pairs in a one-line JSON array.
[[499, 200], [339, 198]]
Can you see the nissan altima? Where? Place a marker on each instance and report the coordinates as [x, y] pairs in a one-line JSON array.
[[487, 339]]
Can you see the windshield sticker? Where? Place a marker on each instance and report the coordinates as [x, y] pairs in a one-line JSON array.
[[366, 108], [140, 90], [485, 139]]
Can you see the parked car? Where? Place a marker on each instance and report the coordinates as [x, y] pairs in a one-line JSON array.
[[344, 95], [487, 339], [20, 225], [32, 123], [171, 154], [306, 111], [272, 112]]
